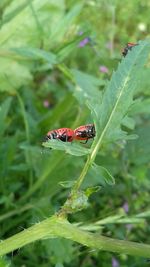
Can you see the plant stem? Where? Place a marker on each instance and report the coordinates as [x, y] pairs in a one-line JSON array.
[[28, 154], [82, 175], [90, 159], [58, 227], [16, 211]]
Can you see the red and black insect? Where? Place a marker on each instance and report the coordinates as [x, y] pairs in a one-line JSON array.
[[63, 134], [128, 47], [85, 132]]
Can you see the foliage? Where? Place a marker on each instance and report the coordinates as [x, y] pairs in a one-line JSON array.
[[48, 81]]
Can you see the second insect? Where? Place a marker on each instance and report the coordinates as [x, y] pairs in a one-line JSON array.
[[84, 132]]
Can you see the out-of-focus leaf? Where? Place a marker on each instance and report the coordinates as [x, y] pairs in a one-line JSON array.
[[128, 122], [64, 51], [13, 75], [59, 265], [139, 150], [8, 17], [47, 121], [22, 27], [61, 25], [60, 250], [87, 87], [143, 85], [87, 91], [4, 108], [4, 262], [140, 107], [35, 53], [144, 214]]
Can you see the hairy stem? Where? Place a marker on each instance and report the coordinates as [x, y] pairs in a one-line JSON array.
[[58, 227]]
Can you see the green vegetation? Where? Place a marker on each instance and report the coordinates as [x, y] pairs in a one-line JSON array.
[[68, 204]]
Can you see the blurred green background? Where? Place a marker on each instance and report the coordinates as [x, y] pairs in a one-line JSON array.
[[40, 43]]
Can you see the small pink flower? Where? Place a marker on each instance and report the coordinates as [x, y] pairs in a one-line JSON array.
[[103, 69], [46, 103]]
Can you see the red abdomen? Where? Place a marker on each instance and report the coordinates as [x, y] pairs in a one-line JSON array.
[[63, 134]]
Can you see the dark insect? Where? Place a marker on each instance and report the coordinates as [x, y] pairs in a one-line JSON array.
[[128, 47]]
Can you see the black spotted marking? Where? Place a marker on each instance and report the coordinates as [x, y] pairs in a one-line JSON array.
[[88, 133]]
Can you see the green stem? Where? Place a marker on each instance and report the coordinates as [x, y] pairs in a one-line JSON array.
[[37, 21], [66, 72], [58, 227], [90, 159], [15, 212], [28, 155], [82, 175]]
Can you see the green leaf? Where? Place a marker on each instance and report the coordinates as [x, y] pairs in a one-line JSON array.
[[144, 214], [60, 250], [67, 48], [140, 146], [90, 190], [118, 96], [144, 83], [103, 175], [13, 75], [59, 264], [67, 184], [8, 17], [35, 53], [140, 107], [70, 148], [33, 23], [4, 108], [87, 91], [61, 26], [128, 122], [119, 219], [4, 262], [87, 87]]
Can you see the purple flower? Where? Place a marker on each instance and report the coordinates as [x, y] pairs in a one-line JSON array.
[[115, 262], [80, 33], [103, 69], [46, 103], [84, 42], [125, 206]]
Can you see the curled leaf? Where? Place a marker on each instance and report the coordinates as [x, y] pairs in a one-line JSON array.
[[104, 175]]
